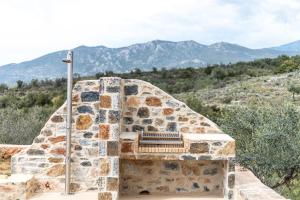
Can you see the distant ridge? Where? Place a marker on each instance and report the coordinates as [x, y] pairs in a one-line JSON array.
[[156, 53]]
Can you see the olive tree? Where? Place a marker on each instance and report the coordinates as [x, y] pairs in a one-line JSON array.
[[268, 141]]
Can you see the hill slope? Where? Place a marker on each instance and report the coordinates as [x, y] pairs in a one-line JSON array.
[[157, 53]]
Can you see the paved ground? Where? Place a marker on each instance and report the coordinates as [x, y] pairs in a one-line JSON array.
[[92, 195]]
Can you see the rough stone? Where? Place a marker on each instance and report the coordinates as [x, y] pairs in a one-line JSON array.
[[77, 147], [105, 196], [112, 148], [55, 160], [83, 122], [35, 152], [143, 112], [136, 128], [101, 117], [153, 101], [183, 119], [104, 131], [57, 119], [74, 187], [57, 139], [127, 147], [112, 89], [39, 139], [205, 124], [89, 96], [85, 109], [56, 170], [112, 184], [199, 147], [86, 163], [131, 89], [171, 166], [127, 120], [104, 167], [147, 121], [88, 135], [58, 151], [113, 116], [171, 126], [231, 180], [152, 128], [211, 172], [168, 111], [105, 101], [133, 101]]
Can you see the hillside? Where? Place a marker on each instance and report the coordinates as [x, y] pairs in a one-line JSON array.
[[145, 56]]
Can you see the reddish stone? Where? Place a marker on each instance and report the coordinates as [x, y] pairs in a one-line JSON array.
[[105, 101], [104, 131], [74, 187], [133, 102], [83, 122], [127, 147], [59, 151], [56, 170], [45, 146], [57, 139], [55, 160], [75, 98], [168, 111], [153, 101]]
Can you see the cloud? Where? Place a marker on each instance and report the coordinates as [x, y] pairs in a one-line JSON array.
[[32, 28]]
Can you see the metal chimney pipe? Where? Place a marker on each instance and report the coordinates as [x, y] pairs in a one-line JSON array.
[[69, 62]]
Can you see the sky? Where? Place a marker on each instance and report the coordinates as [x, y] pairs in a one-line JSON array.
[[32, 28]]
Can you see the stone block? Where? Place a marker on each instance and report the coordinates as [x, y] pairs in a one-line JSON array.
[[127, 147], [101, 117], [104, 131], [105, 196], [89, 96], [168, 111], [153, 101], [171, 126], [112, 148], [112, 184], [202, 147], [113, 116], [105, 101], [143, 112], [131, 89], [85, 109], [105, 167], [57, 119], [83, 122], [57, 139], [56, 170], [133, 101]]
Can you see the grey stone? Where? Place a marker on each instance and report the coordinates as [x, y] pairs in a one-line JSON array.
[[202, 147], [171, 126], [217, 144], [35, 152], [170, 118], [39, 140], [147, 121], [136, 128], [171, 166], [89, 96], [143, 112], [195, 186], [128, 120], [101, 117], [85, 109], [188, 157], [181, 190], [113, 89], [172, 103], [88, 135], [86, 164], [231, 180], [212, 171], [85, 142], [131, 89], [205, 157], [113, 116]]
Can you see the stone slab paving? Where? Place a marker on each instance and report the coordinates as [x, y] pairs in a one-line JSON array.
[[94, 195], [249, 187]]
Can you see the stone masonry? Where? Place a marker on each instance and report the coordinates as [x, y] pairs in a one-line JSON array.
[[108, 116]]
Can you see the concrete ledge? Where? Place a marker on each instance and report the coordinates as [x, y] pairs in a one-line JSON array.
[[249, 187]]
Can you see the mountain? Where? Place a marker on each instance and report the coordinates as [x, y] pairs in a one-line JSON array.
[[290, 47], [157, 53]]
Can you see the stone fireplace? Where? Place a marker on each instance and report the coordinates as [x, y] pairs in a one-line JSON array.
[[131, 138]]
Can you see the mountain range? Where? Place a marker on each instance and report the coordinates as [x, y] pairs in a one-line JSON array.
[[145, 56]]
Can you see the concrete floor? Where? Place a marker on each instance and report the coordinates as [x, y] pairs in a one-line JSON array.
[[93, 196]]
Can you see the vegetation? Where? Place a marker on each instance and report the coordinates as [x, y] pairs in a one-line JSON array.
[[250, 100]]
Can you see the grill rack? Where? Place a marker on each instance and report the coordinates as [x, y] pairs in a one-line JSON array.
[[159, 142]]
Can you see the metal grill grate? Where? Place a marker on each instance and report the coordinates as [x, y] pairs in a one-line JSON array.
[[170, 142]]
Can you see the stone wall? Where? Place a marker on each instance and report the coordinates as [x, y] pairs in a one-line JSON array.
[[104, 109], [164, 177], [148, 108]]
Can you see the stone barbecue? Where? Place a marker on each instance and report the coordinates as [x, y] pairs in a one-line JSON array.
[[131, 138]]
